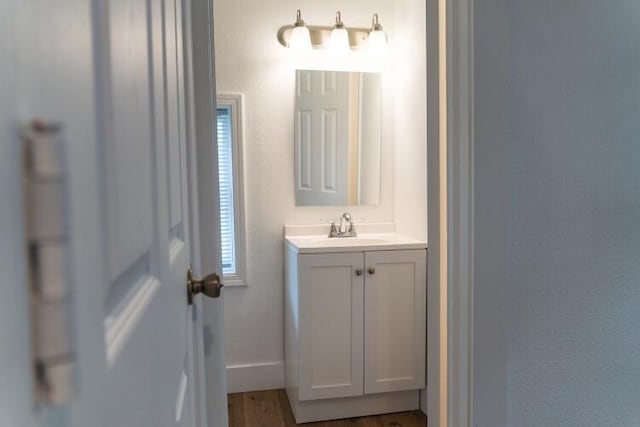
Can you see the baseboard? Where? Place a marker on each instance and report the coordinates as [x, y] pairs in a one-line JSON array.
[[349, 407], [255, 376]]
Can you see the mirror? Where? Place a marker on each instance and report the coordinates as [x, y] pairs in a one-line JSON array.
[[337, 138]]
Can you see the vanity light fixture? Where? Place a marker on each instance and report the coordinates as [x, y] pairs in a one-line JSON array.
[[339, 42], [377, 41], [337, 38], [300, 37]]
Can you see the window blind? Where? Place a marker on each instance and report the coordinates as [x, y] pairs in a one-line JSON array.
[[225, 171]]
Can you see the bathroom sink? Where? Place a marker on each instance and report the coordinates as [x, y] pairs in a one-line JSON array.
[[323, 244], [347, 241]]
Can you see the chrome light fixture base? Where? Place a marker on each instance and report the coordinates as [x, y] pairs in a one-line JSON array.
[[320, 36]]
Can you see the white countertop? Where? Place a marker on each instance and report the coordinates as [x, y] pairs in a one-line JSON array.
[[321, 243]]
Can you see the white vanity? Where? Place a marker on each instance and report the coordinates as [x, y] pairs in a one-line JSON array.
[[355, 322]]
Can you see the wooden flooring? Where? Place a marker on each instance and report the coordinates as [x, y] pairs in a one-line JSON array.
[[271, 409]]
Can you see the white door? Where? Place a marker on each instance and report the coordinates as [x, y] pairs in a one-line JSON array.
[[322, 138], [116, 77], [331, 325], [395, 301]]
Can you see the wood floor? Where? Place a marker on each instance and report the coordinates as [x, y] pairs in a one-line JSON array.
[[271, 409]]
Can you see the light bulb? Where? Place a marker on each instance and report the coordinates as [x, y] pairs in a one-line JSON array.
[[339, 41], [377, 41], [300, 38]]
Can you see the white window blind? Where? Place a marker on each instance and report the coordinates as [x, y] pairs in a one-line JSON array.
[[225, 169]]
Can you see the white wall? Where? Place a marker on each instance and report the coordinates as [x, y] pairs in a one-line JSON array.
[[566, 259], [250, 60], [410, 118], [410, 121]]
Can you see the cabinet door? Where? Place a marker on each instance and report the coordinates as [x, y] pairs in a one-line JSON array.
[[331, 325], [395, 320]]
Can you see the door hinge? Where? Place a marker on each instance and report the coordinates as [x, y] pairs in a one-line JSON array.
[[46, 231]]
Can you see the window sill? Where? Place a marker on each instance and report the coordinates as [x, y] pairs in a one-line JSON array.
[[233, 281]]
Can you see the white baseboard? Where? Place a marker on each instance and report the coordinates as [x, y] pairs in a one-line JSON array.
[[255, 376], [349, 407]]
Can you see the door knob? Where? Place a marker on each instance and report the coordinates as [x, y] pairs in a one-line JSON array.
[[210, 285], [372, 270], [359, 272]]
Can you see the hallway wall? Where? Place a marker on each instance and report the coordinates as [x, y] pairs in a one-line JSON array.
[[557, 313], [492, 139]]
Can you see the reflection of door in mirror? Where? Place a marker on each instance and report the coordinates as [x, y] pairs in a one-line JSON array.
[[337, 138]]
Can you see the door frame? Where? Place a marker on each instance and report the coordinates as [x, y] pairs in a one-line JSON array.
[[450, 140], [204, 204]]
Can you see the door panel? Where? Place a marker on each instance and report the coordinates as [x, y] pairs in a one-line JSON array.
[[395, 307], [114, 76], [147, 321], [128, 142], [147, 324], [183, 409], [47, 72], [173, 119], [331, 328]]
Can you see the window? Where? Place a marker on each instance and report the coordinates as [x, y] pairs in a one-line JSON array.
[[229, 132]]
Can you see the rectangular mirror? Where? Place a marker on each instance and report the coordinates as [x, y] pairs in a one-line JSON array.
[[337, 138]]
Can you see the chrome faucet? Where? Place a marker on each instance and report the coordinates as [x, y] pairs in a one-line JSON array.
[[345, 223], [346, 228]]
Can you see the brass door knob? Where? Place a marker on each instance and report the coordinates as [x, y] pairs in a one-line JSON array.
[[210, 285]]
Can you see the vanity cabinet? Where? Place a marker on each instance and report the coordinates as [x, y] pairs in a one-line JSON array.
[[355, 332], [331, 336], [395, 297]]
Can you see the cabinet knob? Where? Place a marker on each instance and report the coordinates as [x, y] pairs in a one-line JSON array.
[[372, 270], [359, 272]]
